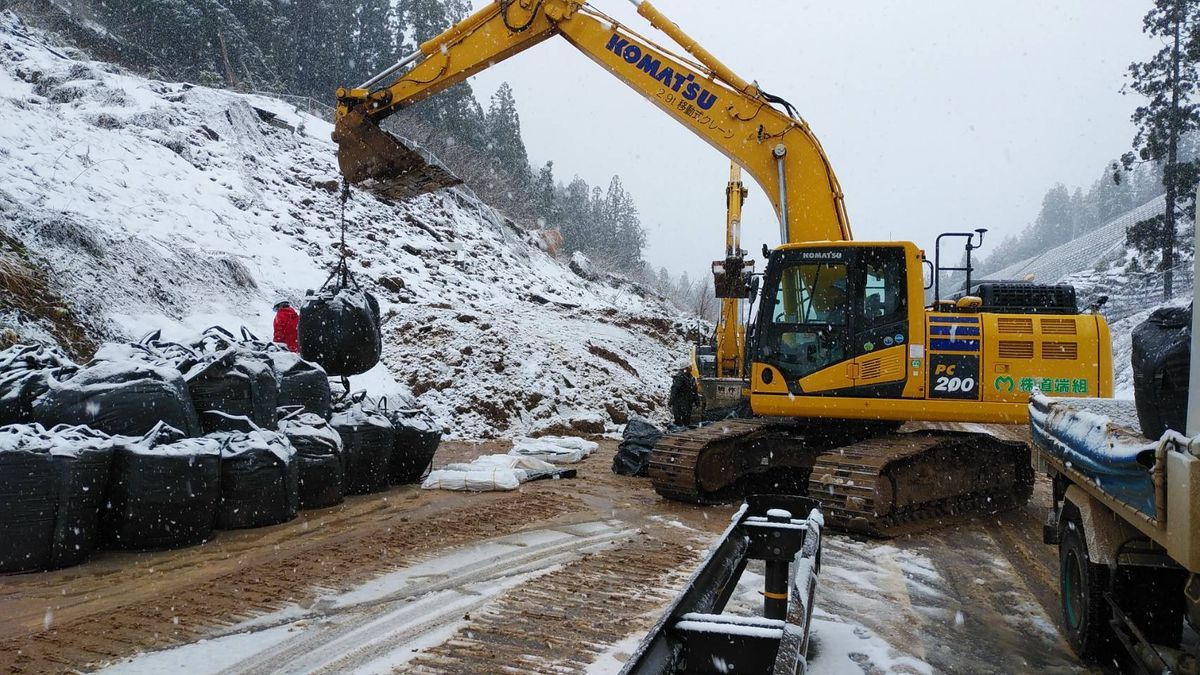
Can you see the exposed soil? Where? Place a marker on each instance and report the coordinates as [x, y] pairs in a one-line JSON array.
[[980, 597]]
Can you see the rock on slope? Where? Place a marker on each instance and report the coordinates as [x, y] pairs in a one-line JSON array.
[[166, 205]]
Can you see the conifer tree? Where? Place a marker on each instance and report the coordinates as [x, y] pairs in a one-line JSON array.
[[1168, 81]]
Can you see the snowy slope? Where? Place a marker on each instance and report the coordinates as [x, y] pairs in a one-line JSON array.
[[165, 205]]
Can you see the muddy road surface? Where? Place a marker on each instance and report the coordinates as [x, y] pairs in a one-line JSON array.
[[559, 577]]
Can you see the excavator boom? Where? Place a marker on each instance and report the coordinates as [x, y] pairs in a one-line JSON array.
[[776, 148]]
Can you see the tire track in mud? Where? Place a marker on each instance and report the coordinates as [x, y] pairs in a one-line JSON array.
[[564, 620], [157, 608]]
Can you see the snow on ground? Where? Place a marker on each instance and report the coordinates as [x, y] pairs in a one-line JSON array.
[[170, 206]]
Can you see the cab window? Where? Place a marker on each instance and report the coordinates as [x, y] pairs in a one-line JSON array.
[[812, 294], [883, 298]]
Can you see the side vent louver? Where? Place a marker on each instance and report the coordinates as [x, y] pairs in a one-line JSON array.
[[1016, 350], [1058, 326], [1060, 351], [1015, 326]]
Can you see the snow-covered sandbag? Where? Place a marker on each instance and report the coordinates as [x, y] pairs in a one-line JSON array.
[[340, 330], [637, 442], [486, 480], [236, 382], [301, 383], [259, 480], [318, 457], [554, 449], [82, 459], [51, 487], [366, 448], [124, 397], [150, 349], [163, 490], [28, 499], [25, 373], [415, 440]]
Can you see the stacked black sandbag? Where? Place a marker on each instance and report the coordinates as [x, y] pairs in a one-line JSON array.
[[82, 458], [25, 371], [123, 396], [236, 382], [319, 458], [163, 490], [366, 447], [340, 330], [1161, 360], [301, 383], [633, 454], [28, 499], [414, 442], [258, 479]]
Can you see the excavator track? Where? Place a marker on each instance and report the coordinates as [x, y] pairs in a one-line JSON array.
[[880, 485]]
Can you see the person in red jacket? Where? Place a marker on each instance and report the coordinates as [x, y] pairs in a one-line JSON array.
[[287, 325]]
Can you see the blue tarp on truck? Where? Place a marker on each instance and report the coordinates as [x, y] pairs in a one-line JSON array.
[[1096, 438]]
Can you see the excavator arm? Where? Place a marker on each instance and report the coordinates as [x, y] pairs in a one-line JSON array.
[[777, 149]]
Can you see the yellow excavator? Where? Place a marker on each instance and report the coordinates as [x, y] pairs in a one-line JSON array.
[[712, 384], [843, 349]]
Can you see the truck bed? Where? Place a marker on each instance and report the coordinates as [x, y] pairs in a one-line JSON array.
[[1099, 438]]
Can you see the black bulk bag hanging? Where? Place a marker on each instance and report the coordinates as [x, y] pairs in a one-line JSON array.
[[28, 499], [235, 382], [82, 457], [415, 440], [318, 457], [25, 372], [163, 491], [339, 326], [1161, 361], [366, 447], [302, 383], [123, 397]]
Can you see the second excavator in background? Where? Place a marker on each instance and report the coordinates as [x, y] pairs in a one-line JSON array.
[[713, 383], [861, 396]]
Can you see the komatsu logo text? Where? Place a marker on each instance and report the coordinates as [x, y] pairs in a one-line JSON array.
[[684, 84]]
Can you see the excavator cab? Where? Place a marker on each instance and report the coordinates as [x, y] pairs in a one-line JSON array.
[[824, 307]]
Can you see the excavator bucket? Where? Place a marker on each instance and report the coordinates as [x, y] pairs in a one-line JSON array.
[[387, 165]]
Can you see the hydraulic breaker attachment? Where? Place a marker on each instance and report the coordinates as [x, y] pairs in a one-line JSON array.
[[387, 165], [695, 636]]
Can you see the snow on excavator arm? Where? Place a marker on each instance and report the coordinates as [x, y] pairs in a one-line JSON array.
[[777, 149]]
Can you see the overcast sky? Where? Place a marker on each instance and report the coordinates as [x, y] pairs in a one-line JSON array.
[[937, 115]]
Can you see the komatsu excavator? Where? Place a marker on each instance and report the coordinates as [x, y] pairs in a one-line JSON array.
[[711, 385], [843, 350]]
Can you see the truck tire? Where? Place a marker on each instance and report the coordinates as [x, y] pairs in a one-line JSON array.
[[1085, 613]]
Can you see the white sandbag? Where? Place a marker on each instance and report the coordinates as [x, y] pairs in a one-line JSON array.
[[488, 462], [554, 449], [488, 480]]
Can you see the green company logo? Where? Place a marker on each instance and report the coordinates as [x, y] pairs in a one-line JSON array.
[[1046, 385]]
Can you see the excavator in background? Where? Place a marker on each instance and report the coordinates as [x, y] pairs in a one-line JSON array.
[[883, 409], [712, 385]]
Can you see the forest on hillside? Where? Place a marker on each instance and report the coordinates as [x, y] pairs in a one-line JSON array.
[[308, 48]]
